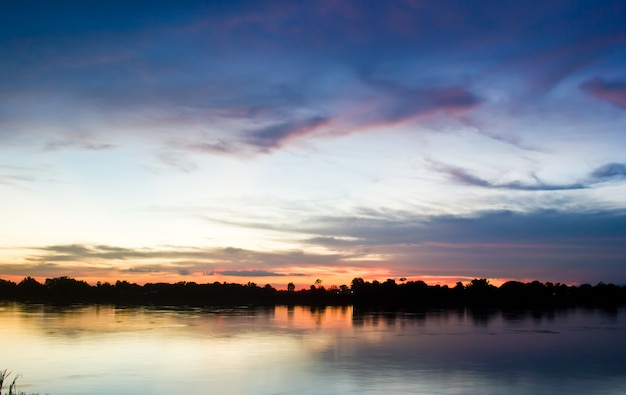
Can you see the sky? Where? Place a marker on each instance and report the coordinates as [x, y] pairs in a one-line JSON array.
[[282, 141]]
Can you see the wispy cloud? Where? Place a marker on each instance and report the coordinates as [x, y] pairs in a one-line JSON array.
[[613, 91], [604, 173], [75, 252], [12, 178], [394, 103], [225, 261], [274, 136], [142, 270], [219, 147], [18, 176], [83, 143], [467, 178], [610, 171], [177, 160], [251, 273]]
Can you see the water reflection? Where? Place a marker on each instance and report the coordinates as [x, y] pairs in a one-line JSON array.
[[303, 350]]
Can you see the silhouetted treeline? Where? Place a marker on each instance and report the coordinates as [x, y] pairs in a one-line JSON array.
[[387, 294], [479, 292]]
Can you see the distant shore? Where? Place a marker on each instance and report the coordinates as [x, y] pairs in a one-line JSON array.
[[375, 294]]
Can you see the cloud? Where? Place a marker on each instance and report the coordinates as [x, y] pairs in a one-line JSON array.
[[334, 242], [465, 177], [17, 176], [506, 243], [542, 226], [179, 260], [77, 252], [543, 244], [395, 102], [13, 178], [252, 273], [453, 99], [219, 147], [488, 227], [390, 104], [177, 160], [609, 171], [613, 92], [514, 141], [546, 238], [274, 136], [80, 143], [140, 270]]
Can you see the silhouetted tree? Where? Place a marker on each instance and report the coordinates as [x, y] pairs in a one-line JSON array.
[[66, 289], [357, 284], [8, 289], [29, 288]]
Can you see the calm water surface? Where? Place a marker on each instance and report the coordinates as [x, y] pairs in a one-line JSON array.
[[300, 350]]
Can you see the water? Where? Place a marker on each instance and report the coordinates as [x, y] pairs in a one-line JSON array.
[[300, 350]]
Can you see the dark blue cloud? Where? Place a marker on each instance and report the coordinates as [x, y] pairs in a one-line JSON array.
[[397, 103], [609, 171], [274, 136], [465, 177], [542, 226], [613, 92], [561, 246]]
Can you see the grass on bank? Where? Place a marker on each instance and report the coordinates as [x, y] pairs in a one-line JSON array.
[[5, 376]]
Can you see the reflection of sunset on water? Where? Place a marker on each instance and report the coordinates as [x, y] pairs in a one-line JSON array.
[[159, 350]]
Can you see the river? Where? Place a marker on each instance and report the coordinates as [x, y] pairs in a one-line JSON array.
[[103, 349]]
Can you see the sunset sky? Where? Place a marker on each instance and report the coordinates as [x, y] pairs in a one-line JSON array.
[[278, 141]]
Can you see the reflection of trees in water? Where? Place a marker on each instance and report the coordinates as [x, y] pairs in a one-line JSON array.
[[317, 313], [538, 314], [479, 317], [291, 312]]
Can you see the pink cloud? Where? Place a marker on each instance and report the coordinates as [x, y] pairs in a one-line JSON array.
[[613, 92]]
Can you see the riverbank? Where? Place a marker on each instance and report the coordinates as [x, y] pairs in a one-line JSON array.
[[364, 294]]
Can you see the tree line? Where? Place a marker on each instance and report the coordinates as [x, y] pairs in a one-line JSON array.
[[361, 293]]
